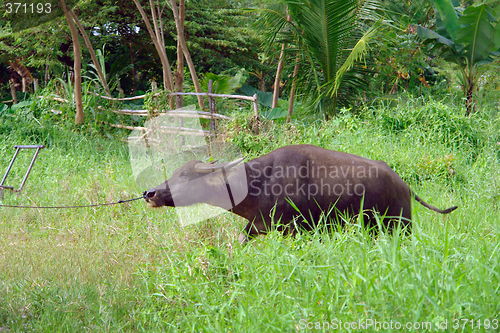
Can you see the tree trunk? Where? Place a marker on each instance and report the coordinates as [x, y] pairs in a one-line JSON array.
[[167, 72], [182, 42], [292, 91], [46, 74], [469, 102], [262, 83], [13, 91], [134, 80], [92, 53], [279, 70], [161, 41], [277, 79], [179, 75], [77, 64], [157, 17]]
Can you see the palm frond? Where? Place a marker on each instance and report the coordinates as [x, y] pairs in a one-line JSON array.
[[325, 25], [331, 36], [271, 23], [357, 53]]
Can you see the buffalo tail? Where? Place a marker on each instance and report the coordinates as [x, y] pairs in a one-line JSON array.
[[445, 211]]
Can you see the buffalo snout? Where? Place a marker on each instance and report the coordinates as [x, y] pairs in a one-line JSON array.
[[159, 196], [149, 194], [148, 197]]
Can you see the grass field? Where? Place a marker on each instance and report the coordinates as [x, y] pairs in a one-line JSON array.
[[130, 268]]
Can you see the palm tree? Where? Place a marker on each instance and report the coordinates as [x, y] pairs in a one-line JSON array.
[[330, 36]]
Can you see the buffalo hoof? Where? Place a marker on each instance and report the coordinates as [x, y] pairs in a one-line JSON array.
[[242, 239]]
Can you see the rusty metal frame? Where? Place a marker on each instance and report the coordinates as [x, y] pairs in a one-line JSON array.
[[19, 147]]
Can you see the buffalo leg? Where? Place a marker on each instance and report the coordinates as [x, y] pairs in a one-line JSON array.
[[251, 230]]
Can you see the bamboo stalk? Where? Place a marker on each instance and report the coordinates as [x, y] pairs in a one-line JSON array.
[[120, 99], [164, 129], [185, 129], [183, 114], [143, 113], [248, 98], [126, 127], [57, 99], [199, 113]]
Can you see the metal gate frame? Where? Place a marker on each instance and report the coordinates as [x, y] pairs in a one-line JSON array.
[[19, 147]]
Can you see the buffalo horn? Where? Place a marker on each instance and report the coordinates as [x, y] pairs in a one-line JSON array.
[[207, 167]]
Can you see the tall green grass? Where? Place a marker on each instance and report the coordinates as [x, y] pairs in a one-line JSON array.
[[129, 268]]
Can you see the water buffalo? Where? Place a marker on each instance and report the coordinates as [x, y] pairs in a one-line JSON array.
[[298, 183]]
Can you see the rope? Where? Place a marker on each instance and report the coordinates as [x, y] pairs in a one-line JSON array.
[[84, 206]]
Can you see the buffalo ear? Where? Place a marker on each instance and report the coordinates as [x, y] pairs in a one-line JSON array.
[[216, 181], [211, 167]]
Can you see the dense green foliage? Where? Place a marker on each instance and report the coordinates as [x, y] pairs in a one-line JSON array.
[[129, 268], [216, 33], [326, 38], [222, 40], [469, 39]]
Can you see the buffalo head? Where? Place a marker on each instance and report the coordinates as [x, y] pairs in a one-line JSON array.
[[197, 182]]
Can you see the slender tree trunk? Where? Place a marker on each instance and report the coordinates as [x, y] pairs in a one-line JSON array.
[[262, 83], [46, 74], [179, 75], [279, 70], [13, 91], [292, 91], [470, 105], [161, 41], [157, 17], [92, 53], [167, 72], [77, 64], [134, 80], [182, 41], [469, 102], [277, 79]]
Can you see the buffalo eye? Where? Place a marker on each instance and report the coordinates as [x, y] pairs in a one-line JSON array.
[[184, 174]]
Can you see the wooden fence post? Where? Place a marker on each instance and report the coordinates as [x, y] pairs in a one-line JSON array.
[[211, 108], [179, 101], [256, 114], [255, 106]]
